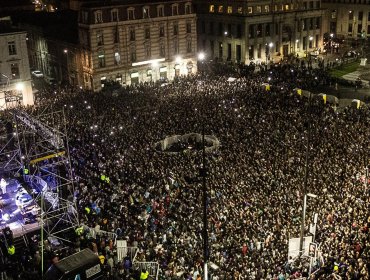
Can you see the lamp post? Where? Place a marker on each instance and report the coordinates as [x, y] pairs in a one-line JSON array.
[[267, 51], [201, 57], [67, 64], [305, 194], [203, 174]]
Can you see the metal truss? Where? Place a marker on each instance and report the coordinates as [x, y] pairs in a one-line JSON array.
[[35, 149]]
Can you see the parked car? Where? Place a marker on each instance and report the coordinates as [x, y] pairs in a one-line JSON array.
[[37, 74]]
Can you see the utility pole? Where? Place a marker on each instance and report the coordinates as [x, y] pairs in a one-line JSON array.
[[304, 191], [205, 220]]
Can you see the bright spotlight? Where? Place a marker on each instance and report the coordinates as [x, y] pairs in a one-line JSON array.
[[19, 86], [201, 56]]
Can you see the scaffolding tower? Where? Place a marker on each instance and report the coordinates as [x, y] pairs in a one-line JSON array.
[[35, 150]]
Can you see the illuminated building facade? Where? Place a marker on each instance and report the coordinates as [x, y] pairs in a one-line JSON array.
[[136, 42], [348, 19], [15, 76], [259, 31]]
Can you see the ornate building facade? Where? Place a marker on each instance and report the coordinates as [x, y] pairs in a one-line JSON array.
[[348, 19], [136, 42], [259, 31], [15, 76]]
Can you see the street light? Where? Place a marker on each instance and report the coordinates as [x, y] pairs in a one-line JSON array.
[[267, 51], [201, 56]]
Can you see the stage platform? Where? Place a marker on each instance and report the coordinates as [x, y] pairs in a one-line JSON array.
[[18, 209]]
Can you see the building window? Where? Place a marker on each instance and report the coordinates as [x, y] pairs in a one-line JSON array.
[[211, 8], [147, 32], [117, 57], [368, 16], [147, 51], [100, 38], [211, 28], [115, 35], [133, 55], [103, 80], [160, 11], [98, 17], [187, 8], [161, 31], [131, 14], [350, 28], [350, 15], [360, 16], [258, 9], [240, 10], [85, 16], [14, 70], [286, 8], [162, 50], [146, 12], [188, 27], [175, 47], [267, 8], [250, 10], [188, 46], [221, 9], [220, 29], [175, 29], [132, 34], [175, 9], [101, 59], [114, 15], [12, 49], [229, 9]]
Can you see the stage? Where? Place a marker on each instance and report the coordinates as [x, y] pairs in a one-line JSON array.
[[18, 209]]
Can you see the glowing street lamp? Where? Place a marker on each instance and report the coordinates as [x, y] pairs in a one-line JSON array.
[[201, 56]]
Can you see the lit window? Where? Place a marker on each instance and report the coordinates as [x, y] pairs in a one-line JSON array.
[[229, 9], [258, 9], [286, 7], [267, 8], [161, 31], [117, 57], [221, 9], [211, 8], [240, 10], [14, 70], [250, 10], [101, 59]]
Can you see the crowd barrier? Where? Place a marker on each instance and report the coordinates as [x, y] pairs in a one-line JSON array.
[[110, 235], [151, 267]]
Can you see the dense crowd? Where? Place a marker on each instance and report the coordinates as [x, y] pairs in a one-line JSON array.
[[255, 180]]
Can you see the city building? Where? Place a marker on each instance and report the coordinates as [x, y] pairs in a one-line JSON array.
[[138, 41], [15, 76], [348, 19], [53, 45], [259, 31]]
